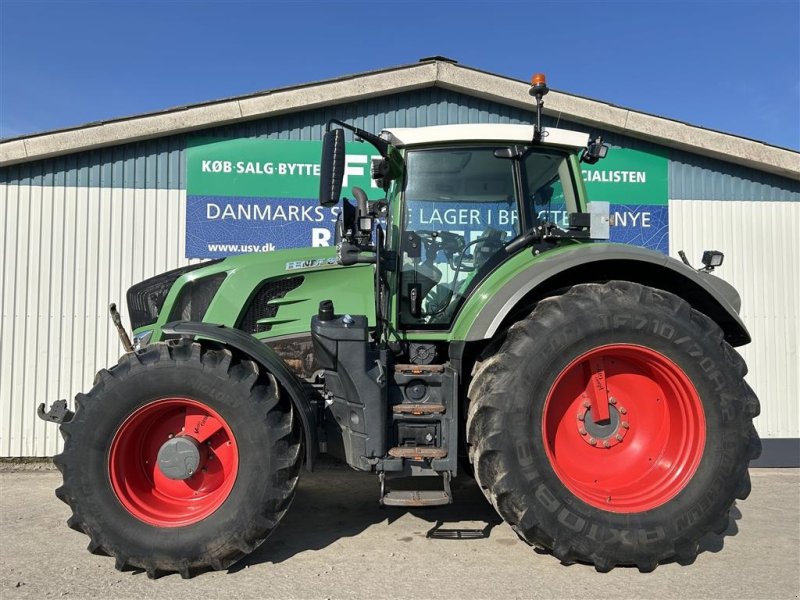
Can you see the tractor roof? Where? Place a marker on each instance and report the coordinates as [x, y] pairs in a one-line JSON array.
[[404, 137]]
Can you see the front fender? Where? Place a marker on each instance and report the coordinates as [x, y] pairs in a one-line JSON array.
[[583, 263], [267, 358]]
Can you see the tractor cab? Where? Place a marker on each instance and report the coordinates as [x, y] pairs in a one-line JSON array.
[[461, 199]]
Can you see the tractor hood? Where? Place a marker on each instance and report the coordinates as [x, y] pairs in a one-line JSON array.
[[267, 295]]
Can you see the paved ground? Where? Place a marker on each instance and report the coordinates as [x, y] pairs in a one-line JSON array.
[[336, 543]]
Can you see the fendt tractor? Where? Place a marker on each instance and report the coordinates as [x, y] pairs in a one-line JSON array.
[[590, 388]]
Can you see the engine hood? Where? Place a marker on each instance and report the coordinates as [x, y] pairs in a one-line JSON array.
[[273, 294]]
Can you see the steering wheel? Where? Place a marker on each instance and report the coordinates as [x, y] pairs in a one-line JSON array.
[[446, 241]]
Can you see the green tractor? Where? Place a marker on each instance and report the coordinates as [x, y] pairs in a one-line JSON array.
[[592, 389]]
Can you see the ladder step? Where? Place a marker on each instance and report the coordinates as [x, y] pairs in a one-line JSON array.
[[416, 498], [418, 409], [419, 369], [402, 452]]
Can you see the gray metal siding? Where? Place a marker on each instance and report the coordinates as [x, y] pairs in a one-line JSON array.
[[160, 163]]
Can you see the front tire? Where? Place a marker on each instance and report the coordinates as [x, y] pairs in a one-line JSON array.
[[181, 458], [643, 486]]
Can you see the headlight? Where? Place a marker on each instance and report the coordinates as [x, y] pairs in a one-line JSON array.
[[145, 299], [194, 298], [712, 259]]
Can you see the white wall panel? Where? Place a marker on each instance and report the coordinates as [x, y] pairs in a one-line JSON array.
[[762, 260], [67, 253]]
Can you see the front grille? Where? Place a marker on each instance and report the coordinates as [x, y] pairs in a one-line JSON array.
[[195, 297], [259, 307], [145, 299]]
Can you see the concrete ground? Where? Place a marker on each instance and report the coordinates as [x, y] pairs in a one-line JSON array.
[[336, 543]]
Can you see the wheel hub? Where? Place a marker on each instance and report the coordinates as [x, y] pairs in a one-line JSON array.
[[653, 407], [173, 462], [603, 434], [179, 457]]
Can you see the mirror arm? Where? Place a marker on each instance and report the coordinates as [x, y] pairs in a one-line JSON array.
[[380, 144], [350, 254]]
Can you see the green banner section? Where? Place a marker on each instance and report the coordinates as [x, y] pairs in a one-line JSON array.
[[257, 168], [628, 177]]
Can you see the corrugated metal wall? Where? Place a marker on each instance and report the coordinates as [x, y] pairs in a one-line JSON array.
[[79, 230], [762, 261], [68, 252]]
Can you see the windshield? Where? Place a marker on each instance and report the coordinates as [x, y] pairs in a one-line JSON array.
[[460, 210]]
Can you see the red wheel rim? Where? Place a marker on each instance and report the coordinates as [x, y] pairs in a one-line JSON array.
[[139, 483], [650, 446]]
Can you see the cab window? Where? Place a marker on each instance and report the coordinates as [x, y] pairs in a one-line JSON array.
[[550, 195], [460, 209]]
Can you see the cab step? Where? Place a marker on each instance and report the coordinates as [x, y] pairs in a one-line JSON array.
[[418, 369], [418, 409], [417, 453], [416, 498]]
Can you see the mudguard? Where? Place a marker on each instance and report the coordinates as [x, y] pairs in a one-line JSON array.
[[598, 262], [266, 357]]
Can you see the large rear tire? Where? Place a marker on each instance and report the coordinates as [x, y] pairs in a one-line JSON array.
[[642, 486], [181, 458]]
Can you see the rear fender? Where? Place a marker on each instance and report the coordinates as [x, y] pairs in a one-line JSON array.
[[268, 359], [587, 263]]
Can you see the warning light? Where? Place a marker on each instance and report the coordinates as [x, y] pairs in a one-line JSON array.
[[539, 80], [539, 86]]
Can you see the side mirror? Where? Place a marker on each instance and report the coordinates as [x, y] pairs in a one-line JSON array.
[[595, 151], [332, 168]]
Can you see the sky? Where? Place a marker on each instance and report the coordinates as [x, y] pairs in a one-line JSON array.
[[721, 64]]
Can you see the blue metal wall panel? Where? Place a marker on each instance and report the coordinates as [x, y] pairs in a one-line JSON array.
[[694, 177], [161, 163]]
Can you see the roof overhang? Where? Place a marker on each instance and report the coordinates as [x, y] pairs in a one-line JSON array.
[[434, 72], [404, 137]]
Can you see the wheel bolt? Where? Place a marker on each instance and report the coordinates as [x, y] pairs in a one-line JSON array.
[[582, 431], [619, 437], [586, 403], [612, 400], [623, 410], [581, 417], [592, 441], [606, 444], [625, 424]]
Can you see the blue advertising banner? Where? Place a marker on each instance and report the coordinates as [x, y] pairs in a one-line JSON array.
[[254, 195], [635, 183]]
